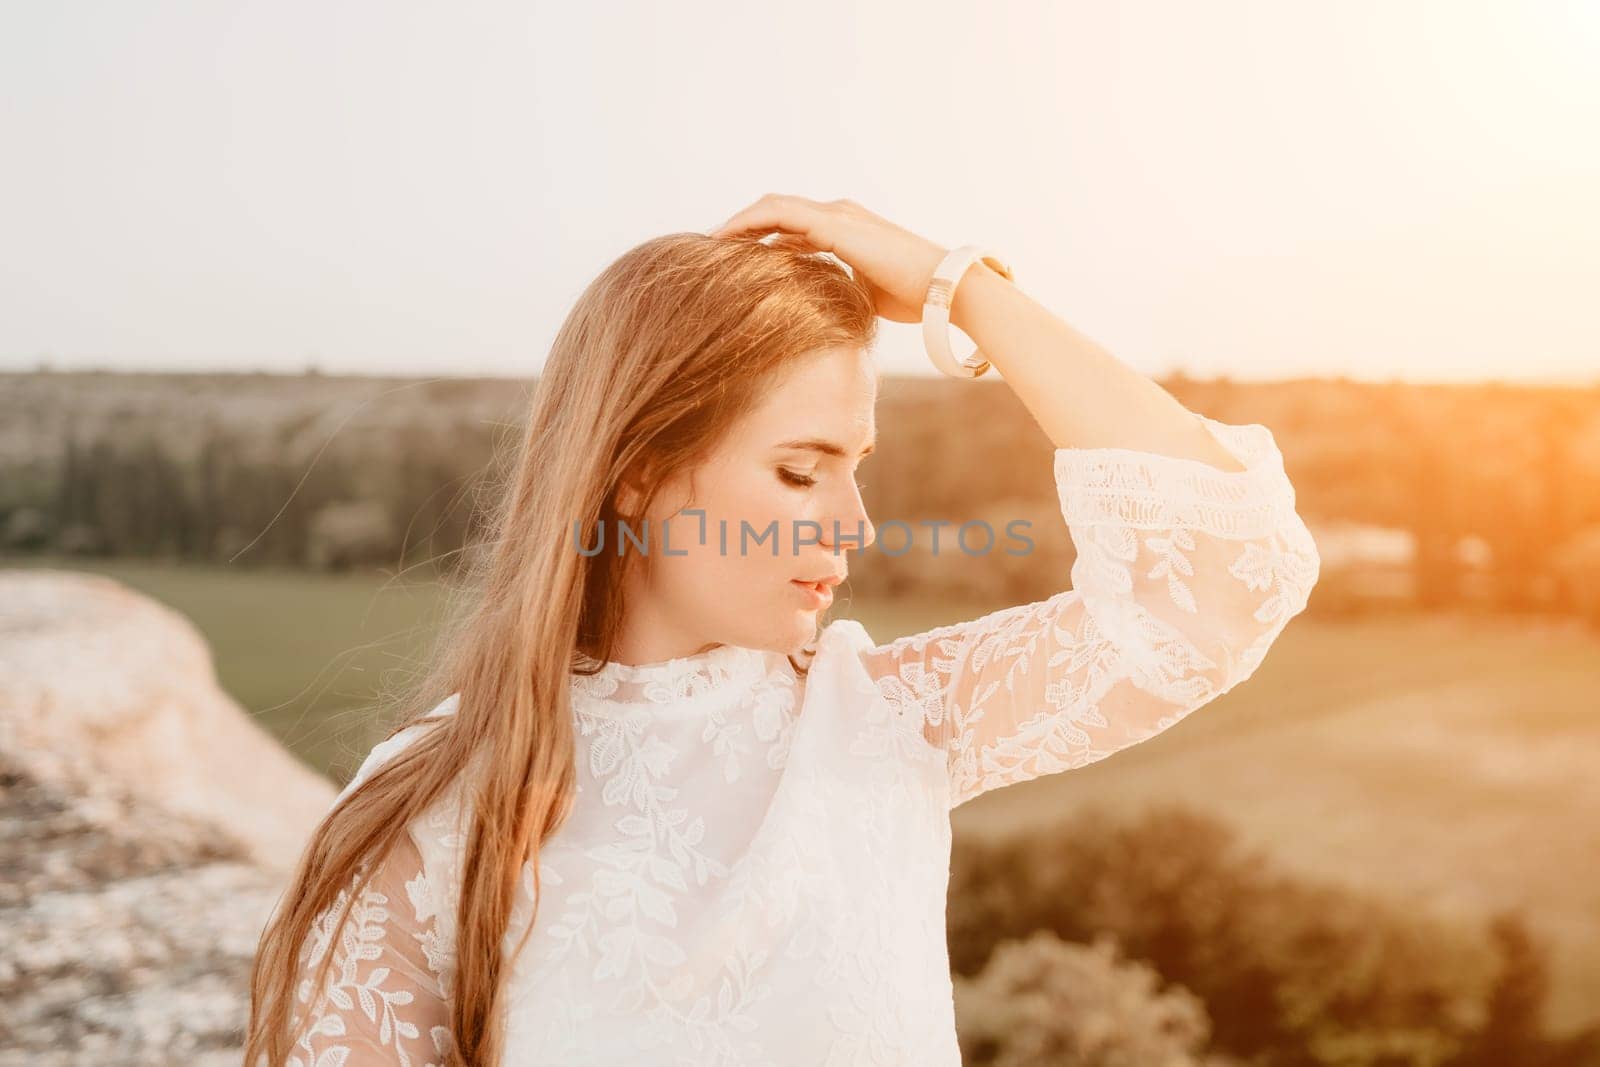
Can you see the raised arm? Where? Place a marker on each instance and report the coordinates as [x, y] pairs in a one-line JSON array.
[[1191, 559], [1185, 575], [1190, 555], [386, 997]]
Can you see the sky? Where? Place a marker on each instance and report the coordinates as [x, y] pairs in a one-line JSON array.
[[1381, 189]]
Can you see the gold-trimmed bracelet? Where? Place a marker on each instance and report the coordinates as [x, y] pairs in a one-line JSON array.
[[936, 310]]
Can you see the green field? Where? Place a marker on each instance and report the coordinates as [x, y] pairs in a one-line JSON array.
[[1447, 760]]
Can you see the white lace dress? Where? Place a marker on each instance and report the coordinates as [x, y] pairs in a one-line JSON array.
[[756, 867]]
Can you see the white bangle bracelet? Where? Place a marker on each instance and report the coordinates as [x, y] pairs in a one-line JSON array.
[[936, 310]]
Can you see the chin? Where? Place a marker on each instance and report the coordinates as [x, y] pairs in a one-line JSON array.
[[800, 632]]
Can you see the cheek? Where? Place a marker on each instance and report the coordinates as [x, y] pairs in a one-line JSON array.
[[780, 515], [740, 535]]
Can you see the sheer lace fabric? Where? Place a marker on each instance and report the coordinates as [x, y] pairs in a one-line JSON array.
[[756, 866], [385, 998]]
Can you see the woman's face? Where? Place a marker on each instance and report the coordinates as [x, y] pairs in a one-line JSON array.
[[771, 504]]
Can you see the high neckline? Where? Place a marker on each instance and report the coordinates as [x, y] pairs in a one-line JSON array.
[[682, 678]]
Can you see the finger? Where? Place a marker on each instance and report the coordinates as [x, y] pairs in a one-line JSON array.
[[763, 216], [768, 207], [790, 214], [790, 242]]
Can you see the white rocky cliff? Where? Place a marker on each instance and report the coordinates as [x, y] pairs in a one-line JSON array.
[[146, 827]]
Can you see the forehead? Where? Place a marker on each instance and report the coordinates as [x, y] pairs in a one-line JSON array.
[[832, 394]]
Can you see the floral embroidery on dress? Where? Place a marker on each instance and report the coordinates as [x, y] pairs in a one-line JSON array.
[[622, 919], [374, 1008]]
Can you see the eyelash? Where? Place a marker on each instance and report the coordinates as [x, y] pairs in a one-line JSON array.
[[803, 481]]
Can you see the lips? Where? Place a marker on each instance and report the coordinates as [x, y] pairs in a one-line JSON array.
[[818, 594]]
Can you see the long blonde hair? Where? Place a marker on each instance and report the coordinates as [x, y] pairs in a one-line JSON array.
[[660, 355]]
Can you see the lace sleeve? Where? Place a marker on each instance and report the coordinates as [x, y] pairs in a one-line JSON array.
[[386, 997], [1185, 574]]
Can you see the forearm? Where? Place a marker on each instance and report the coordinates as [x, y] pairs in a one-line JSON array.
[[1080, 394]]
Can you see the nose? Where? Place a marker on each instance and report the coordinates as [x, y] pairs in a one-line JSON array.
[[851, 521]]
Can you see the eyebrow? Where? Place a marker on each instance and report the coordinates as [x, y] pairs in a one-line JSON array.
[[814, 444]]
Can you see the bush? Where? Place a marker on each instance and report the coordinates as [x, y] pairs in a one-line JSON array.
[[1577, 567], [348, 533], [1297, 972], [1043, 1001], [26, 528], [80, 539]]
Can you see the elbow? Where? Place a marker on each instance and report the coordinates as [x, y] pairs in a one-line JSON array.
[[1197, 658], [1242, 642], [1197, 620]]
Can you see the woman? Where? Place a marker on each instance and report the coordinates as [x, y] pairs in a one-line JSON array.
[[733, 830]]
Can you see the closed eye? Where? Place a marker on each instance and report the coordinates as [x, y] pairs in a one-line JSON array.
[[795, 479]]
